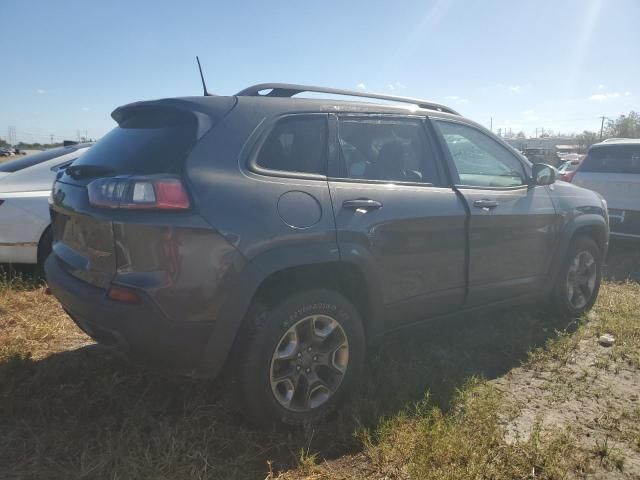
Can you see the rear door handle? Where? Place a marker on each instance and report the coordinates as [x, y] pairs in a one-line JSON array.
[[485, 204], [361, 204]]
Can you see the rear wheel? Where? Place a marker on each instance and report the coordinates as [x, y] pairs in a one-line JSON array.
[[295, 363], [578, 281]]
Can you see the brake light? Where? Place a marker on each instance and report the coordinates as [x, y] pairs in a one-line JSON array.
[[138, 193], [569, 176]]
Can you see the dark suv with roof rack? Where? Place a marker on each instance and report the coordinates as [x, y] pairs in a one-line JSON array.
[[276, 238]]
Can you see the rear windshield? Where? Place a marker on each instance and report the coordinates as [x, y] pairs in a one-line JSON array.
[[144, 144], [34, 159], [613, 159]]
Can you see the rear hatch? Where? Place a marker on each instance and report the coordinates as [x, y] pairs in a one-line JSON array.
[[614, 172], [151, 139]]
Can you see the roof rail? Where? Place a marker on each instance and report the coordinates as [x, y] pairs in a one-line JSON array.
[[289, 90], [620, 140]]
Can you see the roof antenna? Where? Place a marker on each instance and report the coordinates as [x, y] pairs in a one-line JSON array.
[[204, 85]]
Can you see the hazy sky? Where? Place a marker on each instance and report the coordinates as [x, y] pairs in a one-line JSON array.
[[554, 64]]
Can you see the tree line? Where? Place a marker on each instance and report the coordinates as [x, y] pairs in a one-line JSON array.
[[625, 126]]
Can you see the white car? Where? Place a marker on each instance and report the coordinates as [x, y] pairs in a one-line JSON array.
[[612, 168], [25, 186]]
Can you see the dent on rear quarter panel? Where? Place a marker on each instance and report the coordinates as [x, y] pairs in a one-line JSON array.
[[189, 270]]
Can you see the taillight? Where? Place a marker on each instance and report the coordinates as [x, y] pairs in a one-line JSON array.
[[569, 176], [138, 193], [123, 295]]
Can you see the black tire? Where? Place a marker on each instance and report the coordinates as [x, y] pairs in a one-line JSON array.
[[249, 367], [45, 246], [561, 292]]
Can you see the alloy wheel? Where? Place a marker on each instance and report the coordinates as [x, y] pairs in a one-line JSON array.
[[581, 280], [309, 363]]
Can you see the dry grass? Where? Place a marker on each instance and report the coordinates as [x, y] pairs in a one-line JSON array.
[[71, 409], [32, 324]]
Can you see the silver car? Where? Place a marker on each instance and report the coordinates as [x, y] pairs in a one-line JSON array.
[[612, 168], [25, 185]]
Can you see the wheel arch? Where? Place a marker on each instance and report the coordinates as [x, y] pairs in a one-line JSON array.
[[342, 277], [271, 285], [590, 225]]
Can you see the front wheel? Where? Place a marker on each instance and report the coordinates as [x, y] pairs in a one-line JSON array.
[[295, 363], [578, 281]]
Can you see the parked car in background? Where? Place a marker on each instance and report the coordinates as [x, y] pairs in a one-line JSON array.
[[612, 168], [6, 152], [542, 155], [279, 237], [569, 166], [25, 186]]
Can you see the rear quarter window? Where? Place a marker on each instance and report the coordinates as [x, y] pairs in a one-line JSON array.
[[613, 159], [296, 144]]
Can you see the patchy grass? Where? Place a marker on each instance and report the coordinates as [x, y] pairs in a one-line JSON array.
[[470, 442], [71, 409], [558, 416]]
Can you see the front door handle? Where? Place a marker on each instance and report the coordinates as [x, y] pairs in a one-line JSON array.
[[485, 204], [361, 204]]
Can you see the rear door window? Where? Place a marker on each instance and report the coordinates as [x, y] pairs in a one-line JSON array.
[[296, 144], [613, 159], [386, 149]]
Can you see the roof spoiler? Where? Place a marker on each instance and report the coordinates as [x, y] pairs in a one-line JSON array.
[[203, 112]]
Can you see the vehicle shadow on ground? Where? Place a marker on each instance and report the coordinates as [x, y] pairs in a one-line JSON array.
[[623, 261], [21, 272], [89, 412]]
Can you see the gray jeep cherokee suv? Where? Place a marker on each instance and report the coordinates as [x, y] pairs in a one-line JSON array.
[[279, 237]]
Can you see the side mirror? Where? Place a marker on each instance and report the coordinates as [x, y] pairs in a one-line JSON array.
[[542, 174]]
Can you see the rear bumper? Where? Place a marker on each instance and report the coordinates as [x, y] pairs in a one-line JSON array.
[[624, 223], [140, 330], [18, 252]]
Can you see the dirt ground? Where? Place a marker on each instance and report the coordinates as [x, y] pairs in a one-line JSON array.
[[590, 393]]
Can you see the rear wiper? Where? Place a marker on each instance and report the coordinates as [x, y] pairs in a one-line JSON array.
[[78, 172]]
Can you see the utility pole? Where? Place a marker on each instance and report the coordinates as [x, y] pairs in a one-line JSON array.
[[602, 126], [11, 137], [536, 132], [491, 123], [51, 137]]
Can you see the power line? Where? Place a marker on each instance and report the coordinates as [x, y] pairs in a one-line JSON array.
[[35, 137]]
